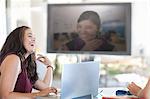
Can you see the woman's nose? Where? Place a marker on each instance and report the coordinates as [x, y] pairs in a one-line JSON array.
[[83, 31], [33, 39]]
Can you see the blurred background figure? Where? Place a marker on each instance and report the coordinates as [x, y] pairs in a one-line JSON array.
[[60, 39], [119, 43]]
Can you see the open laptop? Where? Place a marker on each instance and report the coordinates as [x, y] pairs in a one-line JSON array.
[[79, 80]]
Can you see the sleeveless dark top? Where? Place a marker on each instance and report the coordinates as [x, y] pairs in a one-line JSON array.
[[23, 83]]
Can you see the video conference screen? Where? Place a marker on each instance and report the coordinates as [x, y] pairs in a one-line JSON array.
[[101, 28]]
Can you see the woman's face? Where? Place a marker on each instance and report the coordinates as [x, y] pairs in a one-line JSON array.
[[29, 41], [87, 30]]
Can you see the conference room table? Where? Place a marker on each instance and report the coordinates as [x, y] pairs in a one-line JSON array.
[[102, 92], [49, 97]]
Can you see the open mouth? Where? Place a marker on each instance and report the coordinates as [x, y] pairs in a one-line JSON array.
[[32, 44]]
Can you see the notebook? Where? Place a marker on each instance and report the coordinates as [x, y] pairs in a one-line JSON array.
[[80, 79]]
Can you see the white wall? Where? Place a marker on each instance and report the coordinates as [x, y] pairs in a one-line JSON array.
[[39, 26], [2, 22], [18, 14], [140, 26]]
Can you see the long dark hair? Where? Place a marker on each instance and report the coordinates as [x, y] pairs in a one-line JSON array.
[[14, 43]]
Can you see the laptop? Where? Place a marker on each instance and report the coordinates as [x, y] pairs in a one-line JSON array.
[[79, 80]]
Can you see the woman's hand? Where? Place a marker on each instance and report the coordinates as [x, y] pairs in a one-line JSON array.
[[134, 89], [92, 45], [44, 59], [46, 91]]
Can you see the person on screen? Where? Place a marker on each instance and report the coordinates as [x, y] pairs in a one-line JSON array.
[[88, 26], [18, 74], [116, 40], [60, 39], [138, 91]]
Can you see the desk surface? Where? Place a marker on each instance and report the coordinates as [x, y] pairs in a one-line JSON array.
[[111, 91], [49, 97], [101, 92]]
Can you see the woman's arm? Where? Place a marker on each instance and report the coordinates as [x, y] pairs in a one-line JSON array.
[[17, 95], [46, 82], [10, 69], [49, 73], [48, 76], [146, 90]]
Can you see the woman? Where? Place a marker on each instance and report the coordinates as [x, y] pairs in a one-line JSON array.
[[138, 91], [88, 26], [18, 73]]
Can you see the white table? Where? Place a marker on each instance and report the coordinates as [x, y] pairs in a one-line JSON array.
[[111, 91]]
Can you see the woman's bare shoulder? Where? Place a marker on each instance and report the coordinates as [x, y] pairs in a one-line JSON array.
[[11, 59]]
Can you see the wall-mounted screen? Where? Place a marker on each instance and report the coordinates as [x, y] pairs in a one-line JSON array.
[[101, 28]]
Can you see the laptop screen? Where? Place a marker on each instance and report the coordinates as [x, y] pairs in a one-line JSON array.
[[80, 79]]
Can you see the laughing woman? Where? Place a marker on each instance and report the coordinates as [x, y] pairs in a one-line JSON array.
[[18, 74]]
